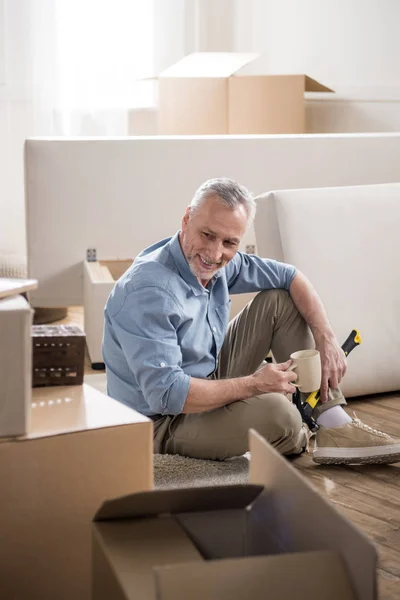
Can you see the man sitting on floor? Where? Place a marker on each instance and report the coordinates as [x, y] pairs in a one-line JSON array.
[[171, 354]]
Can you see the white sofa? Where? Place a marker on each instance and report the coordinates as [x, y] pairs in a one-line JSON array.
[[119, 195], [346, 240]]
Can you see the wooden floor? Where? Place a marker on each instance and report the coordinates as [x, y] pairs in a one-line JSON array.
[[369, 496]]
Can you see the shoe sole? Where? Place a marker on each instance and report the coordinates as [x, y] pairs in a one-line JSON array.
[[377, 459]]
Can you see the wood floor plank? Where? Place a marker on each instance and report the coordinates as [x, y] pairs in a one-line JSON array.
[[389, 562], [386, 510], [388, 586], [380, 481]]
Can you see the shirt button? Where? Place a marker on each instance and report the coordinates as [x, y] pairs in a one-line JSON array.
[[214, 329], [162, 364]]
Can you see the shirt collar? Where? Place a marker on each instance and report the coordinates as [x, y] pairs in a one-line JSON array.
[[184, 269]]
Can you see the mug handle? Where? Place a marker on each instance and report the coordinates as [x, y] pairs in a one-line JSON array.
[[292, 368]]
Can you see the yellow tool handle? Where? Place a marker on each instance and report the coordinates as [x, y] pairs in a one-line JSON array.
[[312, 399], [352, 341]]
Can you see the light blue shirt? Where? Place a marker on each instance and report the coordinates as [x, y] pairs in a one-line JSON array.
[[163, 327]]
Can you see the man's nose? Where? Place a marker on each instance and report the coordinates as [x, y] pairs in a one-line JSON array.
[[215, 250]]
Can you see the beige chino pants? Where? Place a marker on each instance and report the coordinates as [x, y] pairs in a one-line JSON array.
[[270, 321]]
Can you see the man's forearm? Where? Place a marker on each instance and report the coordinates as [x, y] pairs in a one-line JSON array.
[[207, 394], [310, 307]]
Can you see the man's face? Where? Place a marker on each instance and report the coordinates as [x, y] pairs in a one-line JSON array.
[[210, 237]]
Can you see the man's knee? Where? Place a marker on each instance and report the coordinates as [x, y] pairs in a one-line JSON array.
[[224, 433], [276, 419]]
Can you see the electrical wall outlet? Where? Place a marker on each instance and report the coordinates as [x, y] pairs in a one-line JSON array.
[[91, 255], [250, 249]]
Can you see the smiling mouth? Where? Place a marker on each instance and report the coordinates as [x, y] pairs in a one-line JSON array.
[[208, 264]]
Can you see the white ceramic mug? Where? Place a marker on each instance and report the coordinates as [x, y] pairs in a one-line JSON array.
[[307, 365]]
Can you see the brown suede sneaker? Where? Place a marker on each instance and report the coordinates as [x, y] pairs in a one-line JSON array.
[[353, 444]]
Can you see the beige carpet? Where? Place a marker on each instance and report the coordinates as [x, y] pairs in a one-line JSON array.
[[178, 471]]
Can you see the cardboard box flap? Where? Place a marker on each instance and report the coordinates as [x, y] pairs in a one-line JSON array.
[[145, 504], [312, 85], [209, 64], [299, 576], [308, 510]]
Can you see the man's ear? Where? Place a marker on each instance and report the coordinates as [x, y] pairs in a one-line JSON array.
[[186, 216]]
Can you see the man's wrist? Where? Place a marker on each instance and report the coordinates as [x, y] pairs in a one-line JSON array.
[[323, 334], [250, 386], [242, 388]]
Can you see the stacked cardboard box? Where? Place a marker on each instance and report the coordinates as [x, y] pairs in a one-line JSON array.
[[82, 447], [62, 451], [15, 357]]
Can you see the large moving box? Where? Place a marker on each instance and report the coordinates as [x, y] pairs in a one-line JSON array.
[[82, 447], [275, 538], [226, 92]]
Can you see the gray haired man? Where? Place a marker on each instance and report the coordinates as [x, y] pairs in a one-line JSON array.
[[172, 354]]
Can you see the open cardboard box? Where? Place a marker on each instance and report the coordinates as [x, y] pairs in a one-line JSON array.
[[275, 537], [99, 278], [230, 93]]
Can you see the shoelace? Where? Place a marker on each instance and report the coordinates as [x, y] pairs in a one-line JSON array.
[[361, 425]]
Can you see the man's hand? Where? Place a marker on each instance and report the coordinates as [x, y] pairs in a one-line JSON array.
[[334, 365], [275, 378]]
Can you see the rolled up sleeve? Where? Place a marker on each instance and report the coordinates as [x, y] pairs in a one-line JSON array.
[[146, 328], [250, 273]]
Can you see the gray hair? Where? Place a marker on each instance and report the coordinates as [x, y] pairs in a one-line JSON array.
[[229, 192]]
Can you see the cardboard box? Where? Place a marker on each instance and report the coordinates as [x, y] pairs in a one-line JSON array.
[[83, 447], [99, 278], [15, 366], [275, 535], [227, 93]]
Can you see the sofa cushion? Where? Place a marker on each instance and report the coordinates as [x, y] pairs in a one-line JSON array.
[[346, 240]]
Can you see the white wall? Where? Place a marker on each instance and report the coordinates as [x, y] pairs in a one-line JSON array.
[[353, 113], [344, 43], [185, 26], [23, 112], [352, 46]]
